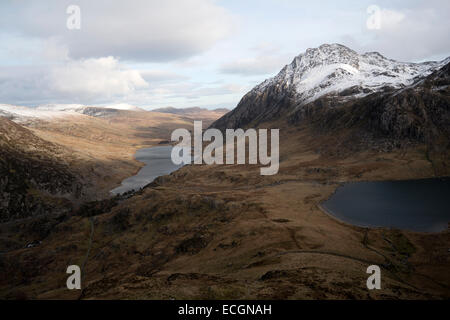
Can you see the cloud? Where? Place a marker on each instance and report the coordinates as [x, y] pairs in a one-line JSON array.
[[157, 76], [260, 65], [144, 30], [263, 58], [409, 34], [92, 77], [391, 19], [194, 90], [214, 91], [100, 81], [78, 81]]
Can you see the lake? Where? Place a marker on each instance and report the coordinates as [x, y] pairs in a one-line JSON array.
[[417, 205], [157, 163]]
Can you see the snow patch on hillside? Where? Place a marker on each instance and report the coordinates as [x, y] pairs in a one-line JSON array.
[[52, 111]]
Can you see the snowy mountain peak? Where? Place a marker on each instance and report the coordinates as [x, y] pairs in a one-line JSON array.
[[326, 54], [333, 68], [326, 83]]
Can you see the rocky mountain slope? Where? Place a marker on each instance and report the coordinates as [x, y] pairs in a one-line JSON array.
[[34, 177], [418, 113], [332, 73]]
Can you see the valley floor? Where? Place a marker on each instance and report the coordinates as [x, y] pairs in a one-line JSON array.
[[225, 232]]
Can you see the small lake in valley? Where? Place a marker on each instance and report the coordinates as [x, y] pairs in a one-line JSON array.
[[417, 205], [157, 161]]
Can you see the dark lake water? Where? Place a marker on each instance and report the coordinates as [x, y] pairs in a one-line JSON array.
[[417, 205], [157, 163]]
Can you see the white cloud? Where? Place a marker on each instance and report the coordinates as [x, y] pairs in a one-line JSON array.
[[145, 30], [91, 77], [82, 81], [101, 81], [409, 34]]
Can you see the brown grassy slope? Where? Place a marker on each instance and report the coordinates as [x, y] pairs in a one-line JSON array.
[[227, 232]]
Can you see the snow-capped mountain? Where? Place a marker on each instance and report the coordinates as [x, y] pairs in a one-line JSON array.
[[331, 70], [51, 111]]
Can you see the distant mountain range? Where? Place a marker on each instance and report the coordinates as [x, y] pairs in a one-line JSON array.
[[333, 86], [182, 111], [51, 111]]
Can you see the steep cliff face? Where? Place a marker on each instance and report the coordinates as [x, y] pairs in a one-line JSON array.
[[422, 109], [330, 81], [34, 180]]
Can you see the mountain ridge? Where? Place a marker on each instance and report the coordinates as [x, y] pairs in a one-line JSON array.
[[187, 110], [53, 111], [327, 71]]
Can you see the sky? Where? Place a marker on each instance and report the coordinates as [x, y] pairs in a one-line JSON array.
[[184, 53]]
